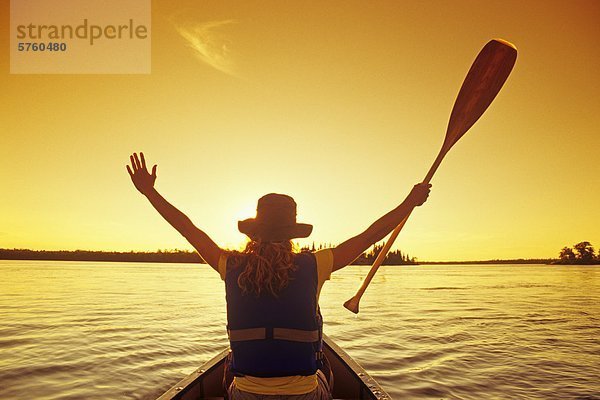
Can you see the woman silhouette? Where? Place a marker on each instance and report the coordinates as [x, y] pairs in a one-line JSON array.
[[273, 319]]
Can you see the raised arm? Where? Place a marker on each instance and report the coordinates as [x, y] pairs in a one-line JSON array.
[[349, 250], [144, 182]]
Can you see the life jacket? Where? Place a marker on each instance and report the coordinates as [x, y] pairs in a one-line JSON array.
[[275, 336]]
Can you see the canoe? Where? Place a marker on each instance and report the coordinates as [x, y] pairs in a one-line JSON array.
[[351, 381]]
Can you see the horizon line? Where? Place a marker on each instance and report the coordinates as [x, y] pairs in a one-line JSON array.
[[176, 250]]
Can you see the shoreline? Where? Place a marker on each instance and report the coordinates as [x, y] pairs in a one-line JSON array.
[[185, 256]]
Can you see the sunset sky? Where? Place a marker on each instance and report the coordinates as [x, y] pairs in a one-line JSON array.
[[341, 104]]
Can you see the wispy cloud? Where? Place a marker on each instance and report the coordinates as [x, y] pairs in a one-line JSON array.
[[209, 43]]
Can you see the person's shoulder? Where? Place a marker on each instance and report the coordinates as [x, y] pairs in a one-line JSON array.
[[304, 255], [320, 256], [229, 259], [222, 265], [324, 254], [324, 260]]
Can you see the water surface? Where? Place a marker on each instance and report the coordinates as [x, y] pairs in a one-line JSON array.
[[98, 330]]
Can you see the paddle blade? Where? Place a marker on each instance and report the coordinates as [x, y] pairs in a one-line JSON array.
[[353, 304], [482, 83]]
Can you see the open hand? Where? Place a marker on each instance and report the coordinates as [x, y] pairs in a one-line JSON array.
[[419, 193], [143, 181]]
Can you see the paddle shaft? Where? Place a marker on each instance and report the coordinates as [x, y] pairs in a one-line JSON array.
[[386, 248]]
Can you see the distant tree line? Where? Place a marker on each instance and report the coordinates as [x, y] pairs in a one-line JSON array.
[[162, 256], [581, 253], [395, 257], [175, 256]]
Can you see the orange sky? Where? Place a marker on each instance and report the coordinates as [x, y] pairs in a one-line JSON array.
[[342, 105]]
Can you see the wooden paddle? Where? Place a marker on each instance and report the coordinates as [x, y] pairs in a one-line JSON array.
[[482, 83]]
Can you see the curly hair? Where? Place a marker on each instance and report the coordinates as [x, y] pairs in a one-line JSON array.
[[267, 266]]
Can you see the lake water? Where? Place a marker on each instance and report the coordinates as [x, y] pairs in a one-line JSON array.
[[95, 330]]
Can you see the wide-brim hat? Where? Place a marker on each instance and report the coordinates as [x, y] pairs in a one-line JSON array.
[[275, 220]]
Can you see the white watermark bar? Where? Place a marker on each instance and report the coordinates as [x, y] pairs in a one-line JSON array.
[[80, 36]]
